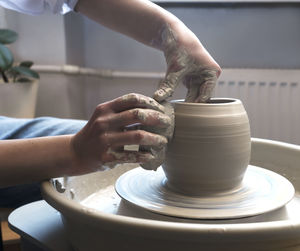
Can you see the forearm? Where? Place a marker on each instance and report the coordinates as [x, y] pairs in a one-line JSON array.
[[29, 160], [141, 20]]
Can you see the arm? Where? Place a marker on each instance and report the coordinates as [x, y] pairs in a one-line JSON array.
[[100, 144], [148, 23], [29, 160]]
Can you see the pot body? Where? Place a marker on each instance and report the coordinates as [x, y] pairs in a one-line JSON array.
[[210, 149], [18, 100]]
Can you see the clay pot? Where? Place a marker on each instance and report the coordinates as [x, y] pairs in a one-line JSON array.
[[210, 149]]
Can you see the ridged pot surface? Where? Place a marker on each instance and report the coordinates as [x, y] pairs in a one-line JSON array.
[[210, 149]]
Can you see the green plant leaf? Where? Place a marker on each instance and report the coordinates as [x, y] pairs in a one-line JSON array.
[[23, 80], [6, 58], [27, 64], [8, 36], [12, 74], [26, 71]]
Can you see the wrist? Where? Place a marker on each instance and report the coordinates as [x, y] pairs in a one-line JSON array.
[[176, 35], [75, 167], [65, 156]]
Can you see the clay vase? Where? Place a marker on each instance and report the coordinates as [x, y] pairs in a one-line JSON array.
[[210, 149]]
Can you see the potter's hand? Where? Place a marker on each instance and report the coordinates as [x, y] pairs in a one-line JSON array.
[[144, 21], [100, 143], [189, 63]]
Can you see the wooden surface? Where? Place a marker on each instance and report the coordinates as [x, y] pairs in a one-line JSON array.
[[8, 235], [11, 240]]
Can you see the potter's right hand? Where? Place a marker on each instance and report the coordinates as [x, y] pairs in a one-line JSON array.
[[101, 142]]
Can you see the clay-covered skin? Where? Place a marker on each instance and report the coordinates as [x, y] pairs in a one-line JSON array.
[[189, 64], [146, 22], [210, 149], [100, 144], [159, 153]]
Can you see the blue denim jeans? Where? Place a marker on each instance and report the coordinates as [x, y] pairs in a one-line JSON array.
[[11, 128]]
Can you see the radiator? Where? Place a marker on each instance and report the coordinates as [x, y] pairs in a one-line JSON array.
[[271, 98]]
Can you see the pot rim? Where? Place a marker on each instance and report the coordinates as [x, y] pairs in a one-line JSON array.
[[75, 210], [219, 101]]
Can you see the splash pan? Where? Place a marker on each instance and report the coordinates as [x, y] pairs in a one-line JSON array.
[[261, 191], [95, 217]]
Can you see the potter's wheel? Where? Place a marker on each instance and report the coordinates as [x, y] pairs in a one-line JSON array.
[[95, 216], [261, 191]]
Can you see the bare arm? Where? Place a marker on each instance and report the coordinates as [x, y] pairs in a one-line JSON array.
[[98, 146], [139, 19], [28, 160], [150, 24]]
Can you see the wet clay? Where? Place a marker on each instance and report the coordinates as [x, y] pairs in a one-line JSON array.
[[210, 148], [146, 102], [199, 79], [157, 152], [147, 111]]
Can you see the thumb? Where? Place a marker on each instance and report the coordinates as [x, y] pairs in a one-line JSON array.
[[167, 86]]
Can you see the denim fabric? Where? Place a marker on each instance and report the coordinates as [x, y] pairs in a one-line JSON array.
[[12, 128]]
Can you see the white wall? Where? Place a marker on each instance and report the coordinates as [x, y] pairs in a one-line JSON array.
[[237, 35], [41, 38]]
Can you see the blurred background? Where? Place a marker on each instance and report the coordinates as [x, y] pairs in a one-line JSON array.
[[257, 43]]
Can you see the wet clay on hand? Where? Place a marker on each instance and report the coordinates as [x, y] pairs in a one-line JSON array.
[[100, 144], [159, 153], [186, 68]]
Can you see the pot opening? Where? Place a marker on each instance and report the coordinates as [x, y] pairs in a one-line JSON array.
[[211, 101], [220, 101]]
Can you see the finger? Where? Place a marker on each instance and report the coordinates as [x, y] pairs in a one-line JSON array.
[[134, 100], [139, 116], [192, 93], [167, 86], [163, 93], [205, 92], [200, 85], [128, 157], [138, 137], [193, 82], [159, 156]]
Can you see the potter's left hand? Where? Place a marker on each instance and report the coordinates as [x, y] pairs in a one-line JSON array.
[[189, 63]]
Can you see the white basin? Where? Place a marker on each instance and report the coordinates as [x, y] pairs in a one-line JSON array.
[[131, 229]]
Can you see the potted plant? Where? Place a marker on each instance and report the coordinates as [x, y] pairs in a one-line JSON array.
[[18, 82]]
